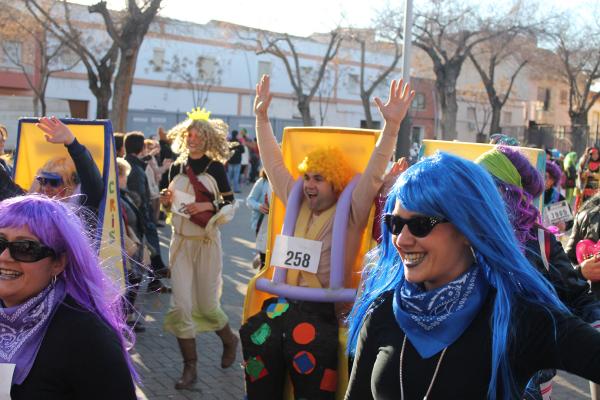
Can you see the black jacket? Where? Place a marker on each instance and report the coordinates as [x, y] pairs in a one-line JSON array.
[[572, 289], [586, 226], [92, 184], [137, 182]]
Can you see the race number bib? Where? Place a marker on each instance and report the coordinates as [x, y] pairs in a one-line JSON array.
[[6, 374], [557, 212], [296, 253]]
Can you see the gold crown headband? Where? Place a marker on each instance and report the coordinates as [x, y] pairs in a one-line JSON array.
[[198, 114]]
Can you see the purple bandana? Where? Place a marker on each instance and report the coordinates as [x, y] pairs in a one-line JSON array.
[[22, 329]]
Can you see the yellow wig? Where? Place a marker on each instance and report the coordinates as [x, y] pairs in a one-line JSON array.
[[331, 163]]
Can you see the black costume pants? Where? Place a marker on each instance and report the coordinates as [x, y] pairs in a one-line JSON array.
[[298, 338]]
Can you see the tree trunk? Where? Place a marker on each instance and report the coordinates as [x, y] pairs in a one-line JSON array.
[[367, 107], [495, 122], [36, 106], [446, 76], [304, 108], [102, 101], [579, 131], [43, 105], [123, 84], [449, 112]]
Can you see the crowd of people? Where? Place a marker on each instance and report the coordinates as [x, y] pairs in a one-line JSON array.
[[468, 293]]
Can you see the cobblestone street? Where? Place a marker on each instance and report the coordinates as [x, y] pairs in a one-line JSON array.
[[157, 356]]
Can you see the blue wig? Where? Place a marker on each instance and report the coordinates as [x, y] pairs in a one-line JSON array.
[[447, 186]]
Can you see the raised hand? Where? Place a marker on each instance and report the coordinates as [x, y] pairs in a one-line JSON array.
[[263, 97], [55, 131], [398, 103]]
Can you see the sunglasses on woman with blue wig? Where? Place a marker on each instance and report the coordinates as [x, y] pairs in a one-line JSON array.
[[26, 250], [419, 226]]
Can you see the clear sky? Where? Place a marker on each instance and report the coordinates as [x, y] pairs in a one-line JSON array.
[[298, 17]]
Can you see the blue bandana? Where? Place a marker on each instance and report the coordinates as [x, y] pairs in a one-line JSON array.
[[433, 320]]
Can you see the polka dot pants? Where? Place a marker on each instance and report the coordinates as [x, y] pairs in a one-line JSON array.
[[298, 338]]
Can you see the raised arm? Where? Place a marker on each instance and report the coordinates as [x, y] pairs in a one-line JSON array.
[[270, 153], [393, 112]]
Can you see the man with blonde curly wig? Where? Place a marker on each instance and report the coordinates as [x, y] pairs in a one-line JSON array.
[[195, 253], [301, 337]]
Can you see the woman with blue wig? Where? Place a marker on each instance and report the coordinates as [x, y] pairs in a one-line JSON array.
[[61, 322], [452, 308]]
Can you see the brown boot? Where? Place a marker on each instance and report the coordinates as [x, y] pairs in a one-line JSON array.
[[188, 351], [230, 343]]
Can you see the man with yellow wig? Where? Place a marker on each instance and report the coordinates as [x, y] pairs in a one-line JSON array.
[[301, 337]]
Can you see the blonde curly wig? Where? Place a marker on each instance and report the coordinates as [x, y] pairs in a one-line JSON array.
[[213, 133], [331, 163]]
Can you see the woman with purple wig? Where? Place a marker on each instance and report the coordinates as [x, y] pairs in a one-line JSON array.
[[61, 322], [519, 183]]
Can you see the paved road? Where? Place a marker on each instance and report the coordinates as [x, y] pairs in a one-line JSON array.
[[157, 357]]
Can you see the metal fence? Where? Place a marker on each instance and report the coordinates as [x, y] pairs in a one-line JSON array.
[[564, 138]]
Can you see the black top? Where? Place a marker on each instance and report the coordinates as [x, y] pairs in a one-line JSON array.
[[466, 368], [80, 358], [236, 153], [209, 166]]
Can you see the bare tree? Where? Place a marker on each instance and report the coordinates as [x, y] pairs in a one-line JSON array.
[[447, 31], [199, 76], [510, 48], [391, 44], [325, 92], [98, 56], [128, 33], [305, 79], [44, 54], [577, 47], [479, 110]]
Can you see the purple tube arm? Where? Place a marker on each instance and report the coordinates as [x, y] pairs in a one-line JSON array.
[[289, 222], [338, 242]]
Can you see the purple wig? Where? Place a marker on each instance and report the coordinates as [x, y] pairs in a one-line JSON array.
[[57, 225], [519, 202], [554, 171]]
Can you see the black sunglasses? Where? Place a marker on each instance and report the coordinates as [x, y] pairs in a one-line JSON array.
[[419, 226], [27, 251], [54, 182]]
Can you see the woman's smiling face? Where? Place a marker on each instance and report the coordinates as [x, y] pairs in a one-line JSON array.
[[19, 281], [433, 260]]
